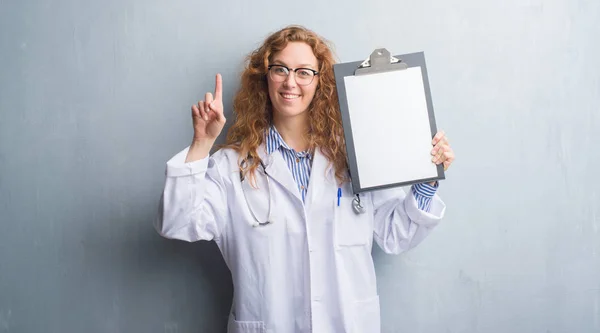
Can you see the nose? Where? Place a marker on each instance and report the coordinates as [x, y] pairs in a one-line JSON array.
[[290, 80]]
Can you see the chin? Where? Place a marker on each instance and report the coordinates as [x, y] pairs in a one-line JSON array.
[[289, 112]]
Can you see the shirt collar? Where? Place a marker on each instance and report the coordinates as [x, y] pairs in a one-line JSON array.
[[274, 141]]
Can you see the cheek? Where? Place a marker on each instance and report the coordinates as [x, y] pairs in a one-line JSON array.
[[273, 91], [272, 87], [310, 93]]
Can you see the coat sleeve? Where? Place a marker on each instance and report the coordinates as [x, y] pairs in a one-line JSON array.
[[193, 203], [399, 224]]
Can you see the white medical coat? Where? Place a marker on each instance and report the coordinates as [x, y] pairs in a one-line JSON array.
[[311, 270]]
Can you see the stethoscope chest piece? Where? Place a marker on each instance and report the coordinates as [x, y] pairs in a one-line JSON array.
[[357, 206]]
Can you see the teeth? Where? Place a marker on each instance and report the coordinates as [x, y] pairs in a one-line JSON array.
[[290, 96]]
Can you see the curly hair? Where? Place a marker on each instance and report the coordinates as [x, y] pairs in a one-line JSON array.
[[254, 112]]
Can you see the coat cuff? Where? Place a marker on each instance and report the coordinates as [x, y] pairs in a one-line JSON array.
[[421, 217], [176, 166], [424, 192]]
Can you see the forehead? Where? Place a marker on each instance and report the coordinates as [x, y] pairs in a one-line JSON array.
[[296, 53]]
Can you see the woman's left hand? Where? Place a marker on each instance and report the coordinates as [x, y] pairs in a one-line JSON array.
[[442, 152]]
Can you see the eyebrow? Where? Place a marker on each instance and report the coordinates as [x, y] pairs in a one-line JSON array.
[[279, 62]]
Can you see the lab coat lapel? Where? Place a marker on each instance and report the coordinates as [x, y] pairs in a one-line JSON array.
[[278, 170], [321, 180]]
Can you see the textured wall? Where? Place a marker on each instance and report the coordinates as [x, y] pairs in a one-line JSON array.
[[94, 98]]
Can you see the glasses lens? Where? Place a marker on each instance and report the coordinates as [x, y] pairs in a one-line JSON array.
[[304, 76], [278, 73]]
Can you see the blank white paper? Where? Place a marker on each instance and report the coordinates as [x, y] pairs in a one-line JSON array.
[[390, 127]]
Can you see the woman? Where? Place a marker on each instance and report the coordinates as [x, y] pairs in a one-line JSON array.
[[300, 261]]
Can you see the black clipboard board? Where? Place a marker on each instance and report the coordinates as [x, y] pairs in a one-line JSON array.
[[370, 147]]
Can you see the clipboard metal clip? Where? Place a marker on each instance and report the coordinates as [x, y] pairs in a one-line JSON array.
[[380, 61]]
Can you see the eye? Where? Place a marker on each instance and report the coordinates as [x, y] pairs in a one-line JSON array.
[[279, 70], [305, 72]]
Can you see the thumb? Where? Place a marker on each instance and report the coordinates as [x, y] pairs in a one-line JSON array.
[[219, 113]]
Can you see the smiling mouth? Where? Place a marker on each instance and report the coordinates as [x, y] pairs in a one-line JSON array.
[[289, 96]]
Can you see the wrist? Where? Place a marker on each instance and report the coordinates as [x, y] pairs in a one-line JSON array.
[[199, 149], [202, 144]]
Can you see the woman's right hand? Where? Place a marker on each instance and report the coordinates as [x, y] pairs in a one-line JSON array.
[[207, 115], [208, 120]]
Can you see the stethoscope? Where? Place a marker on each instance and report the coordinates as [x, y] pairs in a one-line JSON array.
[[242, 178], [357, 206]]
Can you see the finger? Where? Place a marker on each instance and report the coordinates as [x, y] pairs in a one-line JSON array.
[[195, 111], [219, 87], [435, 150], [447, 165], [440, 153], [207, 107], [220, 116], [444, 140], [203, 112], [448, 161], [437, 137], [445, 157], [208, 99], [218, 110], [440, 148]]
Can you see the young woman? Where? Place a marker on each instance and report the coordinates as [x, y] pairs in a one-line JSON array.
[[300, 261]]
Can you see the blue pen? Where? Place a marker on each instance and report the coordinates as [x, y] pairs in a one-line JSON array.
[[339, 195]]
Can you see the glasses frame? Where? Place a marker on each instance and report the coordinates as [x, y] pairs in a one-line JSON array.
[[295, 70]]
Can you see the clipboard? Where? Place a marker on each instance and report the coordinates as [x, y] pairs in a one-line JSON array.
[[388, 120]]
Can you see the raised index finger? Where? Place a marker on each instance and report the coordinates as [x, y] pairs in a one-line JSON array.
[[219, 87]]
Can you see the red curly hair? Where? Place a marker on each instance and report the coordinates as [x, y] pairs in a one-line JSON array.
[[254, 112]]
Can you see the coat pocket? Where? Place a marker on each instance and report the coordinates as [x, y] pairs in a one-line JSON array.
[[352, 229], [367, 316], [235, 326]]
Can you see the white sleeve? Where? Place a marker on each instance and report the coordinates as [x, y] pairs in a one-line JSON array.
[[193, 203], [399, 224]]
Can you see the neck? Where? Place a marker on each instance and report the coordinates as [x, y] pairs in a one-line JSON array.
[[293, 131]]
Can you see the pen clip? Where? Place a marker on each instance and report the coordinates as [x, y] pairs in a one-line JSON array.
[[339, 195]]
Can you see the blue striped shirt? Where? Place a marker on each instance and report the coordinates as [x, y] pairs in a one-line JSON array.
[[300, 164]]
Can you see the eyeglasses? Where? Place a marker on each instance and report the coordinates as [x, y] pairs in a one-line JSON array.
[[280, 73]]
